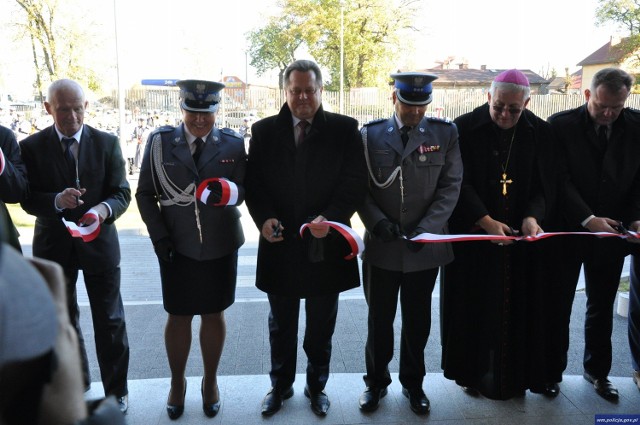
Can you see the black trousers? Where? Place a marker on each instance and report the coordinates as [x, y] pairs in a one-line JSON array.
[[321, 313], [602, 277], [381, 288], [634, 311], [107, 313]]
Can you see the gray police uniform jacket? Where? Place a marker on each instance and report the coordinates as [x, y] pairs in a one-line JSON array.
[[223, 155], [431, 174]]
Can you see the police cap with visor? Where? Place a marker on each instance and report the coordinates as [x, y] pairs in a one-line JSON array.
[[414, 88], [200, 95]]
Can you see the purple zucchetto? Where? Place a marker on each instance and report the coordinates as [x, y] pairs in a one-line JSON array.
[[512, 76]]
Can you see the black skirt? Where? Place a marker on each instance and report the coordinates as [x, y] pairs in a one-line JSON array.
[[192, 287]]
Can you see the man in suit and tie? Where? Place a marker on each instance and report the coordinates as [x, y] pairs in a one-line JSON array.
[[78, 174], [600, 151], [305, 165]]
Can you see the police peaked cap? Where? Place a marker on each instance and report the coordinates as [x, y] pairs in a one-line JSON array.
[[199, 95], [414, 88]]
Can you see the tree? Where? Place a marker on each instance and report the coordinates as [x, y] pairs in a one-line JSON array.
[[626, 15], [372, 35], [56, 42], [274, 45]]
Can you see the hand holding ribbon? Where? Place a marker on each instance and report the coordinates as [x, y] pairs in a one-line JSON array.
[[218, 192], [88, 228]]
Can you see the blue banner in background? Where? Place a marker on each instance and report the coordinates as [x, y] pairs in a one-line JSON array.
[[166, 82]]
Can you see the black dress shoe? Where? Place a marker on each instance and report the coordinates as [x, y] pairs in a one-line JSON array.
[[551, 389], [174, 411], [603, 386], [370, 398], [274, 400], [210, 409], [123, 403], [319, 401], [417, 400]]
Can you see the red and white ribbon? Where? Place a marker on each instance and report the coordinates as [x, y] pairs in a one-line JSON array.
[[433, 238], [87, 233], [229, 191], [1, 162], [354, 240]]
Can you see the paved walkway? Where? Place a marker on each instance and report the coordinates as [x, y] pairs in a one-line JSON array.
[[244, 365]]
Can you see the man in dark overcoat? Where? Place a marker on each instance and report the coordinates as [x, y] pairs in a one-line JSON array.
[[13, 181], [599, 151], [296, 174]]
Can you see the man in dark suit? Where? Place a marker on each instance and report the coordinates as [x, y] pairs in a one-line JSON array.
[[600, 151], [13, 181], [423, 155], [77, 173], [305, 165]]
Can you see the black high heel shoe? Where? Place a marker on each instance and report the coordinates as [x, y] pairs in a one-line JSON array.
[[174, 411], [210, 409]]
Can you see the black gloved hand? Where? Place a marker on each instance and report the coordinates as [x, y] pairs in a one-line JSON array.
[[216, 192], [414, 246], [164, 249], [386, 230]]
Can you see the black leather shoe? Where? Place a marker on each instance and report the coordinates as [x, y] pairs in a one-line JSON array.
[[274, 400], [174, 411], [470, 390], [210, 409], [370, 398], [551, 389], [417, 400], [603, 386], [319, 401], [636, 378], [123, 403]]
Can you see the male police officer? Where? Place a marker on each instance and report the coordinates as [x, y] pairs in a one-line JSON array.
[[415, 173]]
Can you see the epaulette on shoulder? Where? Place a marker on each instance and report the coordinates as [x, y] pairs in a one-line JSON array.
[[379, 120], [163, 129], [230, 132], [440, 120]]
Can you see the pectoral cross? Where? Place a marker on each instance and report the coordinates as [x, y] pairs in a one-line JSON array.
[[504, 182]]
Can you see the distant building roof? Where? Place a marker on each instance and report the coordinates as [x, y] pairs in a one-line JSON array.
[[612, 52], [476, 77]]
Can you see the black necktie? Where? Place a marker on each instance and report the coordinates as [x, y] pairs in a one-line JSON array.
[[404, 135], [602, 137], [68, 155], [303, 131], [199, 145]]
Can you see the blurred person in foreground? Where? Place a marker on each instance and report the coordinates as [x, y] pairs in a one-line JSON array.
[[305, 165], [600, 153], [77, 177], [190, 184], [492, 301], [415, 172], [40, 372]]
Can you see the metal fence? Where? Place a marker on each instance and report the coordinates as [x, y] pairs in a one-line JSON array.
[[364, 104]]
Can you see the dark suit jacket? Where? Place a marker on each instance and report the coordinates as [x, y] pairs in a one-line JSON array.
[[102, 172], [602, 183], [223, 156], [325, 176], [13, 182]]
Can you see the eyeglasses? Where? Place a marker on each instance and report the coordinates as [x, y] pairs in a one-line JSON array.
[[500, 109], [307, 92]]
